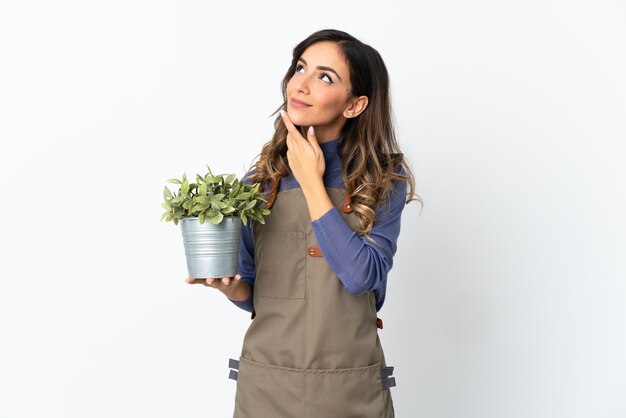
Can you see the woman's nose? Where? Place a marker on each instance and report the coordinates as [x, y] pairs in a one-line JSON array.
[[303, 84]]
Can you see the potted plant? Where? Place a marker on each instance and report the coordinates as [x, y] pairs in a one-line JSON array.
[[212, 248]]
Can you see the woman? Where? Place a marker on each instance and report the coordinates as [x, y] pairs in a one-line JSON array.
[[314, 275]]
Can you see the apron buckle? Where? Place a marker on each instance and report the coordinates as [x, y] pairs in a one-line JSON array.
[[387, 380], [233, 364]]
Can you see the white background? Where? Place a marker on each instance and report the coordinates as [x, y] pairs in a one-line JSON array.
[[508, 294]]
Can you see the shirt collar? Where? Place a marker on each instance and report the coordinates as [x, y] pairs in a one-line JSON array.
[[331, 151]]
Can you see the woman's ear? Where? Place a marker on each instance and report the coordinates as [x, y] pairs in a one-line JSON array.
[[357, 106]]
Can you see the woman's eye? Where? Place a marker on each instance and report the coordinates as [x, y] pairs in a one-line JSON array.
[[299, 68], [326, 78]]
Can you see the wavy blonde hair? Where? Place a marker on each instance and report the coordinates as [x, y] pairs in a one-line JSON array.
[[370, 155]]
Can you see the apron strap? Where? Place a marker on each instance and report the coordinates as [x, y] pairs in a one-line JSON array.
[[314, 251], [347, 207], [270, 200]]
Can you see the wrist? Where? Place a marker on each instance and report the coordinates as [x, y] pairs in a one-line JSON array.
[[240, 292], [318, 201]]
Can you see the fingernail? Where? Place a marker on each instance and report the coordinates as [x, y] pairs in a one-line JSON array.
[[282, 112], [311, 130]]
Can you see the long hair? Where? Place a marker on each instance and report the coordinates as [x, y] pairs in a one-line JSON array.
[[370, 155]]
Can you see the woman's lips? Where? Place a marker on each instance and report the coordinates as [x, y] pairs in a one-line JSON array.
[[299, 104]]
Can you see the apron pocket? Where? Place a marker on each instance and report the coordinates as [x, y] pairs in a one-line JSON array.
[[346, 393], [280, 264], [269, 391], [265, 391]]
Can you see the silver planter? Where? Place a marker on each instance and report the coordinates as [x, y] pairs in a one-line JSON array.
[[211, 250]]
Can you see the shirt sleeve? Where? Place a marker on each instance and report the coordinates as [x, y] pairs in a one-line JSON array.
[[360, 264], [246, 266]]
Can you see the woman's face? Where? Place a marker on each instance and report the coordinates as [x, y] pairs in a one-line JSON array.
[[319, 91]]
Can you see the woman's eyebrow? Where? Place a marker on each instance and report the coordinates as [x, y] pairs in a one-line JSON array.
[[323, 68]]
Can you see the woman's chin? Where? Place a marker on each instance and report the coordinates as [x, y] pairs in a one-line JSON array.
[[298, 117], [299, 120]]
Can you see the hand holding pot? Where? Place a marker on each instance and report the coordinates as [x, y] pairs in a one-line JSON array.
[[233, 287]]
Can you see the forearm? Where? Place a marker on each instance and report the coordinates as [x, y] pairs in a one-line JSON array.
[[360, 265], [317, 199]]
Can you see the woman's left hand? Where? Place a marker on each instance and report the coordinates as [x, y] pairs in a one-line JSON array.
[[305, 157]]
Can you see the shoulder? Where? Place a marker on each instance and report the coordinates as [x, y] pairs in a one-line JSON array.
[[247, 178]]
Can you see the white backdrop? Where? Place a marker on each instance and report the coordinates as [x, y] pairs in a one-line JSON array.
[[508, 294]]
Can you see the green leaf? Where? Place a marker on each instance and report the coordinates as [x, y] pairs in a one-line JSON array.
[[250, 205], [201, 217], [175, 181], [244, 218], [203, 200], [167, 194], [202, 190], [197, 208], [243, 196], [227, 210], [217, 218], [230, 178]]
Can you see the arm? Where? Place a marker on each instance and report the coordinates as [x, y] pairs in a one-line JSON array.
[[246, 266], [360, 264], [246, 269]]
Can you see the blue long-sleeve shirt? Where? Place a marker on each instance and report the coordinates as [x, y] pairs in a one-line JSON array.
[[360, 264]]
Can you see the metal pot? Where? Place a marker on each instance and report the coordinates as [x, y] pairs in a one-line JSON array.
[[211, 250]]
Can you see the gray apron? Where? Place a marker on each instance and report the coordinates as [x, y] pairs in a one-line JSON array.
[[312, 349]]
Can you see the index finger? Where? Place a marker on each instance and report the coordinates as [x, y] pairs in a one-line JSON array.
[[289, 124]]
